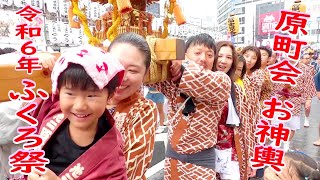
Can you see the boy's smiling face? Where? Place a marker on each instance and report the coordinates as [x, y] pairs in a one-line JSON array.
[[83, 108]]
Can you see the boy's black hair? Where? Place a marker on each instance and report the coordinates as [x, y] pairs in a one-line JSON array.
[[268, 49], [76, 76], [201, 39], [137, 41]]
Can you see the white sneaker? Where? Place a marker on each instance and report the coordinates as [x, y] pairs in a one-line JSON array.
[[306, 122], [286, 146]]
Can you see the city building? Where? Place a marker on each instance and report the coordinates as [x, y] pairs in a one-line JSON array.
[[224, 7], [196, 22], [248, 12], [313, 24]]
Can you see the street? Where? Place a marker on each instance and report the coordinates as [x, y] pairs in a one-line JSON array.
[[303, 141]]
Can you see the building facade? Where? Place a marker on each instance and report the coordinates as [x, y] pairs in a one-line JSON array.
[[247, 11], [313, 24], [224, 7]]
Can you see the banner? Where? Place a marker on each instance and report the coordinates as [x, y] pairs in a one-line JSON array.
[[268, 22]]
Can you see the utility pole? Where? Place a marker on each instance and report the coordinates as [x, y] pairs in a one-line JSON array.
[[318, 30], [253, 30]]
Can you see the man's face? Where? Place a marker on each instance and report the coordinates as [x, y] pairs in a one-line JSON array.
[[264, 58], [306, 59], [273, 59], [202, 55]]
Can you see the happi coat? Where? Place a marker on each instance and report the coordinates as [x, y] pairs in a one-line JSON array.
[[197, 131], [253, 87], [240, 138], [304, 89], [266, 88], [136, 119], [103, 160]]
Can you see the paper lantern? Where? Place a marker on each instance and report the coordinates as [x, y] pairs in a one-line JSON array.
[[298, 6], [233, 24]]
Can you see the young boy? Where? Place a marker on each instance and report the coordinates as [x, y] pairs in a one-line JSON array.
[[82, 142]]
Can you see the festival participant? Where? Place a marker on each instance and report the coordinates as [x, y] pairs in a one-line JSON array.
[[253, 80], [196, 103], [136, 116], [301, 93], [266, 88], [273, 59], [306, 59], [240, 72], [77, 130], [239, 137]]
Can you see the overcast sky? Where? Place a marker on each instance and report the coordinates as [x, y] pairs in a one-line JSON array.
[[199, 8], [196, 8]]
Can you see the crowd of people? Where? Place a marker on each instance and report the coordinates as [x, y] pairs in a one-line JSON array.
[[104, 124]]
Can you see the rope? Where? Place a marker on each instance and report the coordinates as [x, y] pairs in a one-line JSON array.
[[158, 70], [116, 20], [84, 21], [153, 70]]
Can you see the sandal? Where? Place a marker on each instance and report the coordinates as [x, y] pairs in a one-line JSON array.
[[317, 143]]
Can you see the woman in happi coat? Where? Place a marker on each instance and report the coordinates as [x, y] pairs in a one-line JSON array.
[[196, 103], [235, 135], [306, 58], [240, 72], [135, 116], [301, 93], [253, 81]]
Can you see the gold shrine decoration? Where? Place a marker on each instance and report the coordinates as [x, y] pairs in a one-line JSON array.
[[233, 24], [84, 21], [116, 19], [298, 6], [116, 10]]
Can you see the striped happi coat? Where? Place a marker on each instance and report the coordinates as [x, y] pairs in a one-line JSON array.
[[136, 119], [243, 135], [305, 87], [253, 86]]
